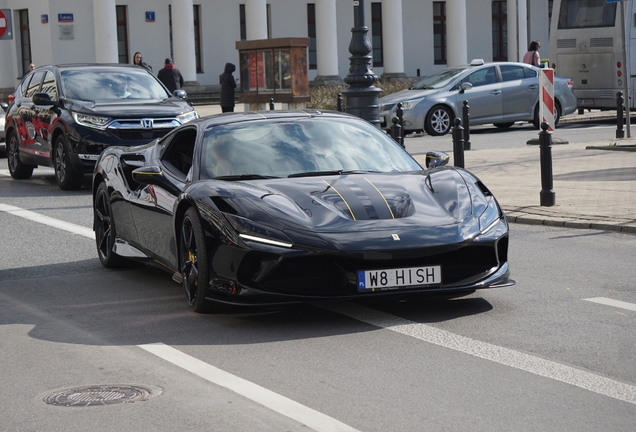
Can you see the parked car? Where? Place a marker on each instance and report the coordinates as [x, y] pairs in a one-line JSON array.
[[283, 206], [500, 93], [64, 116], [3, 110]]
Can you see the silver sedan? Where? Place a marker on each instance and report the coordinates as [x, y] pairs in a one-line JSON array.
[[500, 93]]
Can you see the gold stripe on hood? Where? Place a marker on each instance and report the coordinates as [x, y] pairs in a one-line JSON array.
[[385, 201], [341, 197]]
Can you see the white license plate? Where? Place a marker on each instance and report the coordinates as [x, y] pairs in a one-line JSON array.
[[370, 280], [586, 101]]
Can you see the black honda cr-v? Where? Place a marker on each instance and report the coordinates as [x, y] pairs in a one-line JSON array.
[[64, 116]]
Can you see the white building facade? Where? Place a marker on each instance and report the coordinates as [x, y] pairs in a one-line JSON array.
[[409, 37]]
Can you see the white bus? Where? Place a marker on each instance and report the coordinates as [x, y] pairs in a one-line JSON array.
[[586, 44]]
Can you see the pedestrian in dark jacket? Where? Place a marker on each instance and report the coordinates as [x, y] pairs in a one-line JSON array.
[[170, 76], [228, 84], [137, 60]]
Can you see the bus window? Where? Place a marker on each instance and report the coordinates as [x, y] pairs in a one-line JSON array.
[[586, 13]]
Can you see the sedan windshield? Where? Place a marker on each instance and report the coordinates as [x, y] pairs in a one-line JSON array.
[[438, 80], [298, 148], [91, 85]]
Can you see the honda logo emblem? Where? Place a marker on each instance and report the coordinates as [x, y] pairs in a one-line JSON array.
[[146, 123]]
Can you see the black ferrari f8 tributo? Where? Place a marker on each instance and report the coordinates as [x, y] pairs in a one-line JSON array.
[[285, 206]]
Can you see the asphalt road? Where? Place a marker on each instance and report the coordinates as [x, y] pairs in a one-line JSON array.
[[554, 353]]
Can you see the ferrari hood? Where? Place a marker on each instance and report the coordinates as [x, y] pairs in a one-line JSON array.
[[360, 202]]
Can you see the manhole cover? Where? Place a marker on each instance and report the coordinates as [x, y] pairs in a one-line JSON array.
[[97, 395]]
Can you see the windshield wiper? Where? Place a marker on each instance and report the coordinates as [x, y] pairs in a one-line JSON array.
[[333, 172], [244, 177]]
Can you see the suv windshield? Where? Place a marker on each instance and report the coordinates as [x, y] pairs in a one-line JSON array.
[[438, 80], [91, 85]]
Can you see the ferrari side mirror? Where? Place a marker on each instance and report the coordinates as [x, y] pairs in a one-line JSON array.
[[436, 158]]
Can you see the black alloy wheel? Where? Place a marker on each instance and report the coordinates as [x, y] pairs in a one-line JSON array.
[[67, 178], [17, 168], [193, 263], [105, 231], [438, 121]]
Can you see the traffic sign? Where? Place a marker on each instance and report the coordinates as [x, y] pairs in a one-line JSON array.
[[6, 28]]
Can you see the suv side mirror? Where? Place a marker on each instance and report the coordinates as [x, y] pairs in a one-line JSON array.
[[42, 99], [181, 94]]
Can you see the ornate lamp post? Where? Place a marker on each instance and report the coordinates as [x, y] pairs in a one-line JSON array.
[[362, 95]]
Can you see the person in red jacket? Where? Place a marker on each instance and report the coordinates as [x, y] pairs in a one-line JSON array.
[[170, 76]]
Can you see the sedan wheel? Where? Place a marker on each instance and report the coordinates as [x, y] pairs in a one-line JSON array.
[[17, 168], [438, 121], [557, 116], [66, 177], [105, 229], [193, 262]]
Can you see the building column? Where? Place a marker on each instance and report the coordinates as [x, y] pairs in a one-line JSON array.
[[522, 33], [256, 19], [456, 38], [326, 44], [393, 42], [511, 18], [105, 28], [183, 41]]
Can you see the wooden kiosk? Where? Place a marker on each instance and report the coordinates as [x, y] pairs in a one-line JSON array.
[[273, 68]]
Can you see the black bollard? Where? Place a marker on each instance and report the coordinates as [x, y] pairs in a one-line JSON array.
[[458, 144], [466, 123], [396, 131], [620, 104], [547, 195], [271, 104], [400, 115], [340, 102]]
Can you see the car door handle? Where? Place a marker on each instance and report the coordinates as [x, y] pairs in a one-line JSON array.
[[533, 87], [495, 92]]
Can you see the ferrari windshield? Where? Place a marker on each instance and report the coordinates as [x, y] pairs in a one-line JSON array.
[[438, 80], [91, 85], [281, 148]]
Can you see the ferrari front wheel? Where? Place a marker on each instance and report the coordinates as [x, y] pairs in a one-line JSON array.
[[105, 229], [193, 263]]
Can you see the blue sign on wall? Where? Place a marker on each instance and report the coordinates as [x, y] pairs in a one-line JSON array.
[[44, 19], [65, 17], [150, 16]]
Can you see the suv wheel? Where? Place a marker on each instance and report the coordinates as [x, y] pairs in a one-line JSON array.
[[17, 168], [67, 178]]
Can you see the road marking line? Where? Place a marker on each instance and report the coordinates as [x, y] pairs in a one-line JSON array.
[[280, 404], [525, 362], [610, 302], [46, 220]]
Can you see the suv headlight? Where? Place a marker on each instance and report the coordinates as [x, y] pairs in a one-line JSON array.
[[91, 121], [184, 118]]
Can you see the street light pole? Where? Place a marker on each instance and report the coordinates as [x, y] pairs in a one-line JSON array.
[[361, 95]]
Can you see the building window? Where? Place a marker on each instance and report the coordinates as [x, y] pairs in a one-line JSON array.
[[196, 10], [499, 31], [25, 40], [376, 33], [311, 33], [439, 32], [242, 22], [122, 34]]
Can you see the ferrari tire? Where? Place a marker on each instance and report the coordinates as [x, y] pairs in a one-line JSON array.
[[504, 125], [105, 231], [438, 121], [67, 178], [193, 263], [17, 169]]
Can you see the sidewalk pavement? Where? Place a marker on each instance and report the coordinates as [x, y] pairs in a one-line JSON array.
[[594, 184]]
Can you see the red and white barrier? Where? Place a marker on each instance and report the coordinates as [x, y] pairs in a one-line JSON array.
[[546, 97]]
